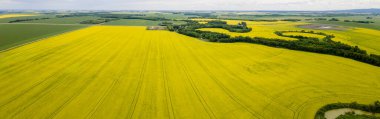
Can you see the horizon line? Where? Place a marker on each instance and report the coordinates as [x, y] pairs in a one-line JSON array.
[[188, 10]]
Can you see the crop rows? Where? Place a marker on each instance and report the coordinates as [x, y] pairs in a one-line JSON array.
[[130, 72]]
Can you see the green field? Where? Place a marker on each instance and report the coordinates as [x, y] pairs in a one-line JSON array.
[[158, 14], [138, 22], [6, 20], [134, 22], [16, 34], [168, 15], [66, 20]]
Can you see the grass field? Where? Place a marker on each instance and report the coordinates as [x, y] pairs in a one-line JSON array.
[[134, 22], [129, 72], [16, 34], [158, 14], [138, 22], [66, 20]]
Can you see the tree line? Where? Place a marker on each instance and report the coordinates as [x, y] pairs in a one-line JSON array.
[[190, 29], [28, 19], [309, 44], [363, 22], [97, 21], [371, 108]]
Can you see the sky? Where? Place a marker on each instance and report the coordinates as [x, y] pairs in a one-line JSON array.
[[189, 4]]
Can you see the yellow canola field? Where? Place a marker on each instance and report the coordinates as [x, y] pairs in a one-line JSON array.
[[112, 72], [256, 32], [367, 39], [14, 15], [259, 29]]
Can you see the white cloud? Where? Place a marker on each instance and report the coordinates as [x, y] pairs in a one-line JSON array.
[[190, 4]]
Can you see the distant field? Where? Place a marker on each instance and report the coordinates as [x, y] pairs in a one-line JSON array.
[[66, 20], [375, 26], [367, 39], [168, 15], [375, 19], [128, 72], [158, 14], [259, 29], [138, 22], [16, 34], [14, 15], [134, 22], [6, 20]]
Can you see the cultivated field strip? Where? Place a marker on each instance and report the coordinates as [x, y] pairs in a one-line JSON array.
[[128, 72], [14, 15]]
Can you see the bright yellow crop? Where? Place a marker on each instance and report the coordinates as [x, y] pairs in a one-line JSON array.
[[366, 39], [114, 72], [259, 29], [14, 15]]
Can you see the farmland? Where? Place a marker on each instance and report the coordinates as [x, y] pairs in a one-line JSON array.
[[138, 22], [130, 72], [16, 34], [134, 22], [365, 38], [68, 20], [169, 64], [14, 15]]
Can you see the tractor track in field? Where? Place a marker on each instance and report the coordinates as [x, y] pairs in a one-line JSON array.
[[8, 69], [273, 99], [33, 86], [92, 113], [40, 95], [140, 82], [114, 82], [193, 86], [242, 80], [166, 83], [83, 87], [50, 84], [221, 85], [232, 73], [133, 54], [124, 79]]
